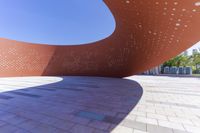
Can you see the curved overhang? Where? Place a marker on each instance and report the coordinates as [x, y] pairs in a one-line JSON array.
[[147, 34]]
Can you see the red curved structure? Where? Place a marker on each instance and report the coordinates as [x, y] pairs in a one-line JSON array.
[[148, 32]]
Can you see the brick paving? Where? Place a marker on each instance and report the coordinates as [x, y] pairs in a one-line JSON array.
[[138, 104]]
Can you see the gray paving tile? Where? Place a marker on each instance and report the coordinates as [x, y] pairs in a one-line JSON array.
[[71, 89], [179, 131], [158, 129], [2, 123], [47, 89], [15, 120], [64, 125], [25, 94], [29, 125], [8, 128], [174, 104], [112, 120], [82, 129], [21, 131], [80, 120], [176, 93], [134, 125], [100, 131], [91, 104], [99, 125], [91, 115], [6, 116], [83, 85], [42, 128], [5, 97]]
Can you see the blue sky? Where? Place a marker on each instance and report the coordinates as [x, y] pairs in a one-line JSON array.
[[55, 21]]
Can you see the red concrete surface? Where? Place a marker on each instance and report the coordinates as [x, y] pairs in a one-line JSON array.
[[148, 32]]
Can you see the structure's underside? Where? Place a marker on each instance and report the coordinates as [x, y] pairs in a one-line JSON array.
[[148, 32]]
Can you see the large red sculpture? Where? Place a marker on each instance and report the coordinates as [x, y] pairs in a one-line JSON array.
[[148, 32]]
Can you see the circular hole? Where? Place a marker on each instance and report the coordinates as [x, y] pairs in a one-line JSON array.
[[197, 3], [164, 13], [183, 10], [175, 3], [194, 10], [175, 28], [177, 24]]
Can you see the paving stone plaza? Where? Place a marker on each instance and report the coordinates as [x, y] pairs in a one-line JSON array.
[[138, 104]]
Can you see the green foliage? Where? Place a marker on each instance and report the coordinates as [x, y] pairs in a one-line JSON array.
[[195, 59], [180, 60], [183, 60]]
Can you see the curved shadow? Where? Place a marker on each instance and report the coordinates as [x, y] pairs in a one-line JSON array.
[[74, 104]]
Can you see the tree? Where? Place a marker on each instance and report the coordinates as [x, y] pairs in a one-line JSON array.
[[185, 60], [195, 59], [180, 60]]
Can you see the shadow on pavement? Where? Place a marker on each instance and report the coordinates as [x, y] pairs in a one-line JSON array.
[[74, 104]]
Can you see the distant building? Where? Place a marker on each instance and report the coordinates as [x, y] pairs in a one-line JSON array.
[[169, 70], [153, 71], [185, 53], [194, 51], [198, 66]]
